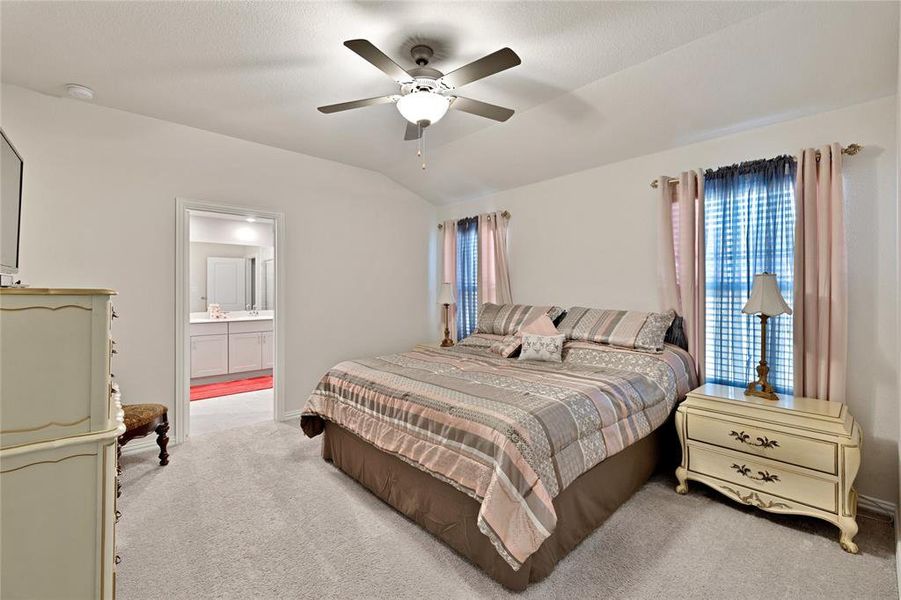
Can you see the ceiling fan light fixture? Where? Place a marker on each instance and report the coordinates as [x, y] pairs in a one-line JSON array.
[[423, 108]]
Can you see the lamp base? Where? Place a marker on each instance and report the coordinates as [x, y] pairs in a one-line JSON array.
[[761, 390], [447, 342]]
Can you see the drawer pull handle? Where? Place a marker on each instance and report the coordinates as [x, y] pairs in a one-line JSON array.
[[764, 476], [762, 442], [753, 499]]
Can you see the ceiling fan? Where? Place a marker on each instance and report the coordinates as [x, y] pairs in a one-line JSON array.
[[426, 93]]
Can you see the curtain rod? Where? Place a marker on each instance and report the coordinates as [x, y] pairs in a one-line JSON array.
[[850, 151], [505, 214]]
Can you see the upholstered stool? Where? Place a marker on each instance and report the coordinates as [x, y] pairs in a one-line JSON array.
[[142, 420]]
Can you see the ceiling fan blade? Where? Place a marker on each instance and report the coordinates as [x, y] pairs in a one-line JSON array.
[[413, 132], [333, 108], [487, 65], [482, 109], [379, 59]]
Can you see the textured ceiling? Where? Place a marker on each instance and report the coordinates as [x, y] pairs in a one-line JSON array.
[[599, 81]]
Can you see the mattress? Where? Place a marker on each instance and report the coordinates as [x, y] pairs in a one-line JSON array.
[[510, 434]]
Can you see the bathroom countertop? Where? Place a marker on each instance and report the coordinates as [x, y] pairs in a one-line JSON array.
[[264, 315]]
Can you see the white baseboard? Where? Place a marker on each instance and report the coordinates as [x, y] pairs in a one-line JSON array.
[[878, 506], [142, 445], [292, 414]]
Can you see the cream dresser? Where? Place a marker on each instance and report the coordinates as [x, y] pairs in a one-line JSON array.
[[794, 455], [60, 417]]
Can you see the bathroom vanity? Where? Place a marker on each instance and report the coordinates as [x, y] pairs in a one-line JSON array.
[[239, 344]]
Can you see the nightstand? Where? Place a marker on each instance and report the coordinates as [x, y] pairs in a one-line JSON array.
[[795, 455]]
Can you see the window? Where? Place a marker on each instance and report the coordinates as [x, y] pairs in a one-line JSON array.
[[467, 276], [749, 222]]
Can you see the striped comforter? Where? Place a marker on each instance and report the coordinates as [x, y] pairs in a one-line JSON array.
[[512, 434]]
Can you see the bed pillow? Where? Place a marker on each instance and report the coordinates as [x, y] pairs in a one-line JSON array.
[[507, 319], [480, 340], [676, 333], [507, 347], [623, 328], [547, 348], [652, 336]]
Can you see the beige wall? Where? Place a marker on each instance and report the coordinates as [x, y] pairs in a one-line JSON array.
[[898, 253], [99, 210], [589, 238]]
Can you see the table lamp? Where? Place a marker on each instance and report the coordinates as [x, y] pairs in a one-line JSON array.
[[765, 301], [446, 298]]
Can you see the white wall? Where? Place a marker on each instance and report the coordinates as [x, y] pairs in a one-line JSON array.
[[219, 230], [589, 239], [99, 211]]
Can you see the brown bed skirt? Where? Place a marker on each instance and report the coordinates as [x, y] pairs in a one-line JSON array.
[[450, 515]]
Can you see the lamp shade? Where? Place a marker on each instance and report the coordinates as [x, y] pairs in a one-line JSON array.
[[423, 107], [446, 294], [765, 297]]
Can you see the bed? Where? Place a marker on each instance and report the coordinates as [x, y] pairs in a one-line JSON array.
[[511, 463]]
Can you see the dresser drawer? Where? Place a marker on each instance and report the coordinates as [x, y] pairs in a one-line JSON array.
[[54, 357], [777, 445], [786, 483]]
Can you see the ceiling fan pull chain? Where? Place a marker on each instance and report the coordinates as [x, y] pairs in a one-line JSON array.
[[422, 141]]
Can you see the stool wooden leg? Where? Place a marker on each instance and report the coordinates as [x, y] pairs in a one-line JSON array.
[[162, 440]]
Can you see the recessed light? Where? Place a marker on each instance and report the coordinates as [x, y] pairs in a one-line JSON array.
[[250, 220], [80, 92]]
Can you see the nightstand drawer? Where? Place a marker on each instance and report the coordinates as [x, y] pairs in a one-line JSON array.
[[790, 484], [777, 445]]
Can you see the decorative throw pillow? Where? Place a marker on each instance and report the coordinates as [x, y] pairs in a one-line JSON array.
[[479, 340], [548, 348], [511, 343], [624, 328], [653, 334], [507, 319], [508, 346]]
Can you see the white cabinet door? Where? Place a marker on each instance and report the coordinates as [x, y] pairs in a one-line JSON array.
[[244, 352], [225, 282], [268, 340], [209, 355]]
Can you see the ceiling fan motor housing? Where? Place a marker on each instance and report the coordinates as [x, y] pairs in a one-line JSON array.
[[421, 54], [421, 84]]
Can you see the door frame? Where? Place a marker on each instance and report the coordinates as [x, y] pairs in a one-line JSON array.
[[182, 306]]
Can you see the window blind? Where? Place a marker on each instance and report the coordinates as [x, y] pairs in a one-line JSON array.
[[749, 222], [467, 276]]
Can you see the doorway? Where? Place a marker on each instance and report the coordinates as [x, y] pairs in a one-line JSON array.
[[229, 335]]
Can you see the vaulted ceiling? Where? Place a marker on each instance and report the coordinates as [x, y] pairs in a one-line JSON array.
[[599, 81]]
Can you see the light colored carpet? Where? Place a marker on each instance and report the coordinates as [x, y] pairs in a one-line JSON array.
[[227, 412], [254, 512]]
